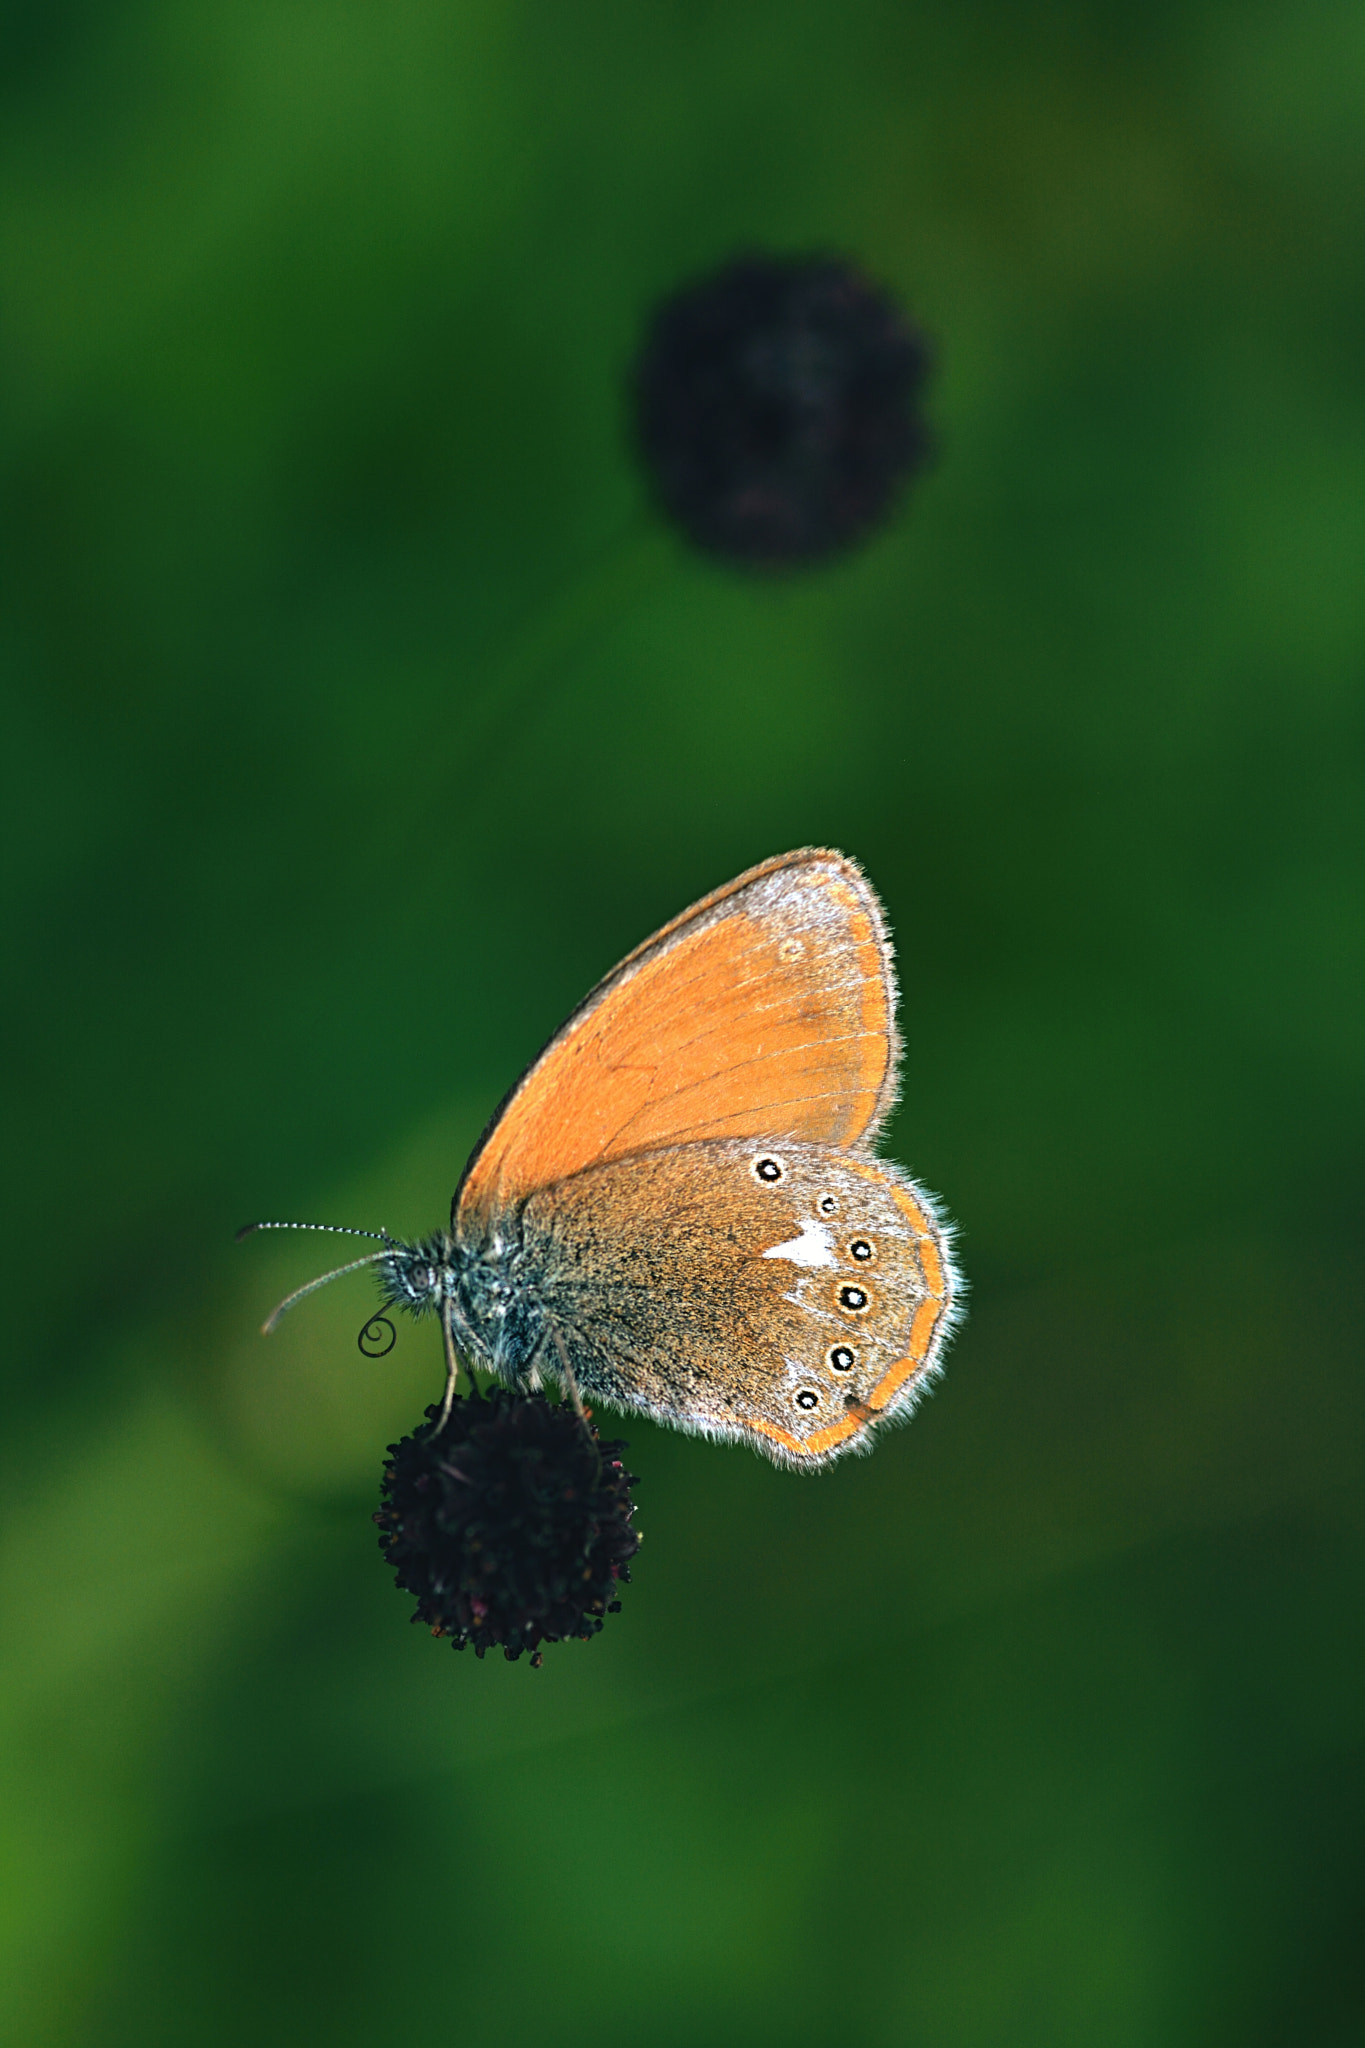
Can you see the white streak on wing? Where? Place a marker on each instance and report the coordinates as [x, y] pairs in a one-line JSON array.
[[812, 1248]]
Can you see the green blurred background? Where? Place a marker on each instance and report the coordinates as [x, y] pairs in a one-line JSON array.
[[359, 715]]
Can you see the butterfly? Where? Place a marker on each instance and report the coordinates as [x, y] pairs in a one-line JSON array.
[[678, 1209]]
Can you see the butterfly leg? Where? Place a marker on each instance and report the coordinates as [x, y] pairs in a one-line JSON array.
[[452, 1369], [570, 1382]]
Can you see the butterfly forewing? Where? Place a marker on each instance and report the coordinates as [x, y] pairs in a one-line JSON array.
[[768, 1009], [786, 1295]]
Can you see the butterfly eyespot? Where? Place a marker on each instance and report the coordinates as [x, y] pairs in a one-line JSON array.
[[828, 1205], [841, 1358], [791, 949], [807, 1399], [854, 1298], [768, 1169], [860, 1249]]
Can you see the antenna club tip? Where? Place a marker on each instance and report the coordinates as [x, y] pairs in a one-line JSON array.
[[245, 1231]]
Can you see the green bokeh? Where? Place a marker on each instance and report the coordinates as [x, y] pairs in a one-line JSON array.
[[358, 716]]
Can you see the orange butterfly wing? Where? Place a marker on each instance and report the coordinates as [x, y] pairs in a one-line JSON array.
[[767, 1010]]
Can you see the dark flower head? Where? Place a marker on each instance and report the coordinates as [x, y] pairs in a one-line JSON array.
[[775, 408], [512, 1527]]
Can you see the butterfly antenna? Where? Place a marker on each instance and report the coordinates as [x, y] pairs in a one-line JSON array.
[[337, 1229], [370, 1259]]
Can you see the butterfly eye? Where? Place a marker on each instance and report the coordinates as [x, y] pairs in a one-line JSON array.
[[828, 1205], [841, 1358], [854, 1298], [807, 1399], [861, 1249], [768, 1169]]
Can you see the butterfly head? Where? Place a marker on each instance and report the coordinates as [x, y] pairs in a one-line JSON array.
[[419, 1277]]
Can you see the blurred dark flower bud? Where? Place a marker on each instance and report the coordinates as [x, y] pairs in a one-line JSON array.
[[512, 1527], [775, 408]]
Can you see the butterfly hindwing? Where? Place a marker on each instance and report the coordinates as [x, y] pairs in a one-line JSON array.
[[787, 1295]]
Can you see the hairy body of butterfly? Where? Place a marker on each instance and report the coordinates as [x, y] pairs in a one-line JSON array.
[[678, 1209]]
